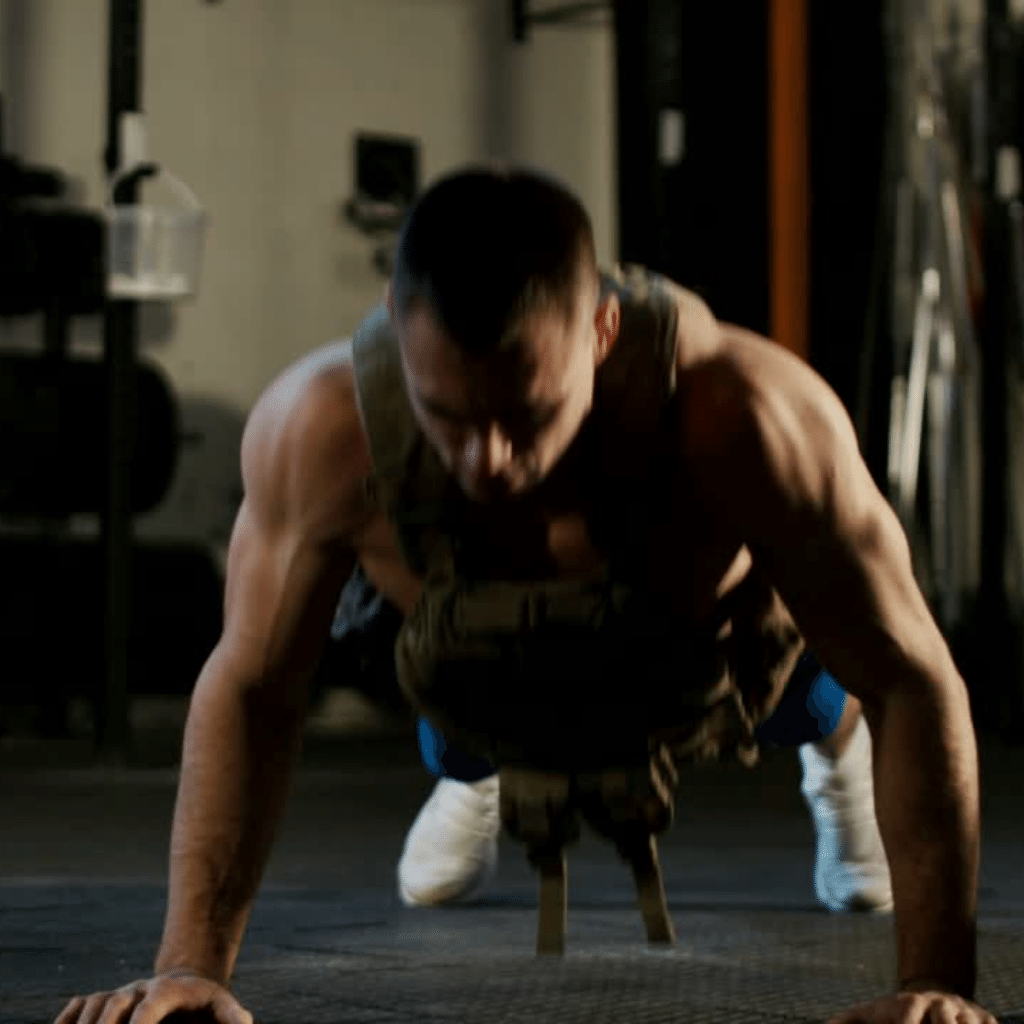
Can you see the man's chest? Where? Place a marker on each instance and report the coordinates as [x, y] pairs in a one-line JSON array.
[[665, 545]]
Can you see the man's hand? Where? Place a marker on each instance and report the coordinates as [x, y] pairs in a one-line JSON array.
[[927, 1006], [149, 1002]]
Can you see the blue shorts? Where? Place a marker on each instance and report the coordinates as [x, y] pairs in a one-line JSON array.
[[810, 709]]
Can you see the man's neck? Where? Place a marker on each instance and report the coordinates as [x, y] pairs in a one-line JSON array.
[[568, 479]]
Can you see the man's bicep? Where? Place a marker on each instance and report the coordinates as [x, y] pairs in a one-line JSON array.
[[851, 588], [291, 548], [280, 595], [835, 549]]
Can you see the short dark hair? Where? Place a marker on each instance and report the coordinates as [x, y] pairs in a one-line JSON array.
[[484, 247]]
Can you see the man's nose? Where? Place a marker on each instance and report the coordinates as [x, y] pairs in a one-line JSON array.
[[490, 452]]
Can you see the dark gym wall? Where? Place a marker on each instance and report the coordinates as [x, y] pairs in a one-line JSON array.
[[848, 100], [705, 221]]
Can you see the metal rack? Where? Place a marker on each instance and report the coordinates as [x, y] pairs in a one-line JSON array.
[[120, 343], [935, 403]]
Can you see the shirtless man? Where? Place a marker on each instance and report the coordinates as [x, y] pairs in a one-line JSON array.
[[571, 427]]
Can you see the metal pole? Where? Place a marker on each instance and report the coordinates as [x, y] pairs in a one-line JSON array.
[[789, 177], [1003, 661], [119, 348], [649, 82], [636, 134]]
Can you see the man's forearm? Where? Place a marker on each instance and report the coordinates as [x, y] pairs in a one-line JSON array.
[[926, 781], [235, 773]]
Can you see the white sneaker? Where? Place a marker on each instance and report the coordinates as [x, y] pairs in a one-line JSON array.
[[451, 851], [851, 871]]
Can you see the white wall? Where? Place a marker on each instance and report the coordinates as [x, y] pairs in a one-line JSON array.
[[555, 104], [255, 104]]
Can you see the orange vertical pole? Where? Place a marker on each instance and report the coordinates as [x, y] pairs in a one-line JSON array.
[[789, 174]]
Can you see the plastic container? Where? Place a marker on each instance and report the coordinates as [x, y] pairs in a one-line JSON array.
[[155, 252]]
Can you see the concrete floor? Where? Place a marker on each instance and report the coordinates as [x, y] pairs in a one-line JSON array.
[[82, 869]]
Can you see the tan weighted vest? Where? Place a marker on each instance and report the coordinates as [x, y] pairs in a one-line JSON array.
[[584, 694]]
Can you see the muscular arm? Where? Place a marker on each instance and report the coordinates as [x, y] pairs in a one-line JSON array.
[[290, 554], [801, 496]]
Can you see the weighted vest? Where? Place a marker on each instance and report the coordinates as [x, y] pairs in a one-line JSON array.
[[584, 694]]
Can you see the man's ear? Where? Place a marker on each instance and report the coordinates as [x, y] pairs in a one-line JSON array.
[[607, 321]]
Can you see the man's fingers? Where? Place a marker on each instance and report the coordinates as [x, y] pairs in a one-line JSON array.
[[69, 1015], [916, 1008], [93, 1008], [150, 1002], [120, 1004], [980, 1016], [158, 1005], [228, 1011], [946, 1011], [163, 1001]]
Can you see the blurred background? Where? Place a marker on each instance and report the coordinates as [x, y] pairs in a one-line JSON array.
[[842, 177]]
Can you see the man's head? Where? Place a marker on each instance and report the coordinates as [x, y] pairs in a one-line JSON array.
[[496, 300]]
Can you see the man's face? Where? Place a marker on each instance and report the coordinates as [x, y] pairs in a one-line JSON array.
[[501, 422]]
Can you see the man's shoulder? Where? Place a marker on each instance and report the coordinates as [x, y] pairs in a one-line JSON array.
[[304, 440], [755, 408], [315, 396]]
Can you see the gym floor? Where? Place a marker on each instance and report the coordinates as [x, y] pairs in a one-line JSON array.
[[82, 890]]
